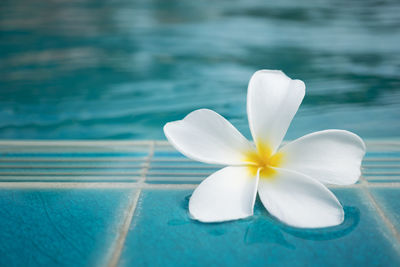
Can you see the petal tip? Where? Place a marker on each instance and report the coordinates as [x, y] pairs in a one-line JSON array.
[[356, 137], [167, 131], [165, 128], [299, 84], [264, 71], [335, 220]]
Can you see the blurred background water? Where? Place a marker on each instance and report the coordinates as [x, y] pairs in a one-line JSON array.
[[120, 69]]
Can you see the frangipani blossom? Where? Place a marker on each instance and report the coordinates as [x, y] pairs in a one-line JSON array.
[[289, 180]]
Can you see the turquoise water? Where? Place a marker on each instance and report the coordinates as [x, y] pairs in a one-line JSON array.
[[121, 69]]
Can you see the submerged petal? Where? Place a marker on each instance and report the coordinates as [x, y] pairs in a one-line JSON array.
[[331, 156], [272, 101], [299, 200], [206, 136], [227, 194]]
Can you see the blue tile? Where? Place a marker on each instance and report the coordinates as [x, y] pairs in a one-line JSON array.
[[72, 155], [168, 154], [382, 154], [63, 227], [59, 171], [384, 180], [162, 180], [161, 234], [388, 200], [163, 171]]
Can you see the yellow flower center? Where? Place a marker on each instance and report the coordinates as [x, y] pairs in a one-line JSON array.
[[263, 160]]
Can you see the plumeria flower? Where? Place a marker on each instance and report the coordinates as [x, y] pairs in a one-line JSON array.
[[290, 180]]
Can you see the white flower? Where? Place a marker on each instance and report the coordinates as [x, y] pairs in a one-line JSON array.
[[290, 180]]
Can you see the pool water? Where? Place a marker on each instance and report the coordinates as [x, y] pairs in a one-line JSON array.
[[121, 69]]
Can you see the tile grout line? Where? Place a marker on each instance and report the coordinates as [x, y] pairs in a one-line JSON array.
[[385, 219], [80, 142], [363, 181], [160, 158], [365, 185], [120, 242], [125, 227], [144, 185], [77, 142], [94, 185], [146, 166]]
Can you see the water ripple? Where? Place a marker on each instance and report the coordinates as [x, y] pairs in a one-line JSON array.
[[122, 69]]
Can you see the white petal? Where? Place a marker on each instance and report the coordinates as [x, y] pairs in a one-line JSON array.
[[331, 156], [206, 136], [227, 194], [272, 101], [299, 200]]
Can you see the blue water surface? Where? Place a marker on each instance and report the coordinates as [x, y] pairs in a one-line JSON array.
[[121, 69]]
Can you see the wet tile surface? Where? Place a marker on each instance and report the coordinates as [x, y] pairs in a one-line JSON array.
[[389, 199], [161, 234], [64, 204], [60, 227]]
